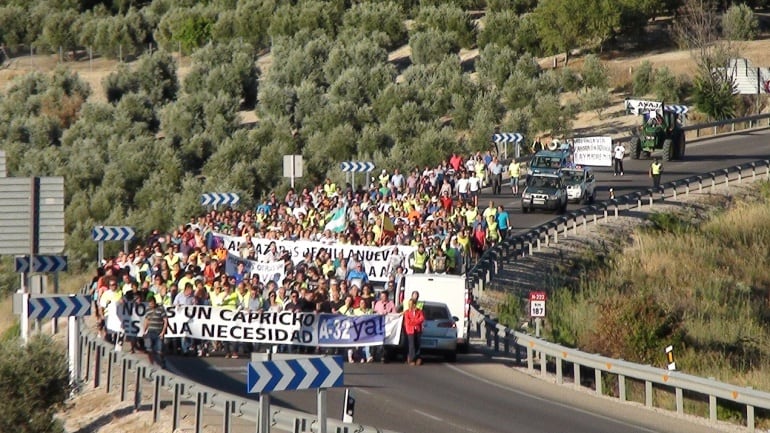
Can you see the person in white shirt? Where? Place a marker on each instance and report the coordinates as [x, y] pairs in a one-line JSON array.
[[462, 187], [617, 156], [474, 184], [398, 181]]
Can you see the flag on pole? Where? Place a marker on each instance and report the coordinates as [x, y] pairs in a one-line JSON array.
[[387, 230], [337, 223]]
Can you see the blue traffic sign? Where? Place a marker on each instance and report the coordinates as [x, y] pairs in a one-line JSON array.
[[46, 307], [41, 264], [507, 137], [294, 374], [112, 233], [357, 166], [219, 199]]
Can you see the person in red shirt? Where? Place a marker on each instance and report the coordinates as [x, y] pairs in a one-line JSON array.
[[446, 202], [413, 320]]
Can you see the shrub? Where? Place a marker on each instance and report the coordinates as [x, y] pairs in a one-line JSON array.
[[643, 79], [35, 385], [594, 73], [431, 46], [739, 23], [596, 99], [449, 19], [667, 87]]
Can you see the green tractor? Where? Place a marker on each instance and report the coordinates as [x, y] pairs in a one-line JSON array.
[[661, 129]]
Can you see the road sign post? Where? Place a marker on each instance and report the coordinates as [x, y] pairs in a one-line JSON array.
[[294, 374], [509, 137], [537, 309], [101, 234], [216, 199], [354, 167], [293, 166]]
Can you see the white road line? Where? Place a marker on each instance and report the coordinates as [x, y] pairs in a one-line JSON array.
[[435, 418], [545, 400]]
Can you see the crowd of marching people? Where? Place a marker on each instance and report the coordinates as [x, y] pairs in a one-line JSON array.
[[434, 210]]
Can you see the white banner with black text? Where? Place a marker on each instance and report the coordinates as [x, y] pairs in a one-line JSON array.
[[285, 327], [593, 151]]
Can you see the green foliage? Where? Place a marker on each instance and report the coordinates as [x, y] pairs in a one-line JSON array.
[[561, 24], [668, 222], [229, 68], [35, 385], [13, 25], [288, 19], [739, 23], [366, 19], [667, 87], [594, 73], [596, 99], [509, 312], [60, 30], [189, 28], [713, 95], [112, 36], [447, 19], [496, 64], [550, 115], [642, 79], [153, 75], [431, 46]]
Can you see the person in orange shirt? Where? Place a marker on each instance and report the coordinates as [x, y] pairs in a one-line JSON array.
[[413, 320]]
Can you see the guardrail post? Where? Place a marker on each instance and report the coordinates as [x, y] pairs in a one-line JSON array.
[[496, 336], [110, 356], [585, 223], [87, 366], [648, 393], [767, 169], [538, 244], [156, 399], [530, 359], [675, 188], [740, 174], [517, 351], [622, 387], [123, 379], [700, 184], [750, 417], [556, 235], [753, 171], [543, 363], [529, 247], [226, 419], [687, 188], [713, 182], [199, 413], [598, 381], [97, 365], [138, 387], [712, 407], [175, 409], [559, 373], [679, 401], [506, 342], [727, 179], [578, 383], [616, 210], [574, 225]]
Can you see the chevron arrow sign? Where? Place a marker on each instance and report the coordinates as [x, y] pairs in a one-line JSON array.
[[111, 233], [46, 307], [507, 137], [294, 374], [357, 166], [219, 199], [41, 264]]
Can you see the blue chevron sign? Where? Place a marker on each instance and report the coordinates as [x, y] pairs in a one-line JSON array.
[[507, 137], [677, 109], [357, 166], [219, 199], [111, 233], [41, 264], [46, 307], [294, 374]]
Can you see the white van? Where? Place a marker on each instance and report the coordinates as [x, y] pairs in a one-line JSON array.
[[448, 289]]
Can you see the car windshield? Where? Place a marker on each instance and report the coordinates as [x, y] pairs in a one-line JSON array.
[[544, 182], [546, 162], [573, 177], [435, 312]]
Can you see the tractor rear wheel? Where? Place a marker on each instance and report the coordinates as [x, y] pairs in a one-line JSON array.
[[682, 144], [636, 147], [668, 149]]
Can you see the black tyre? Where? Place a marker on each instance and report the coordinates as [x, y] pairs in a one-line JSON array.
[[682, 145], [636, 147], [524, 209], [450, 357], [668, 150]]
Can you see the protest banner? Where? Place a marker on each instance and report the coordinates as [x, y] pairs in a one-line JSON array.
[[285, 327], [267, 271], [593, 151], [377, 260]]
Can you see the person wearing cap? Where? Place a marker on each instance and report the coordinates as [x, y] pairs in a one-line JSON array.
[[155, 327]]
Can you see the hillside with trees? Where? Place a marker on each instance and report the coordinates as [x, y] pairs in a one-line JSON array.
[[143, 157]]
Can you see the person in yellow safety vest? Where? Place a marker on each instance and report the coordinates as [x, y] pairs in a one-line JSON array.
[[490, 211], [420, 260], [481, 171], [470, 213], [515, 172], [384, 178], [230, 302], [330, 188], [414, 296], [655, 169]]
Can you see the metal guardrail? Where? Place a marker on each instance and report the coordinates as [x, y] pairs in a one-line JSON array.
[[521, 245], [100, 364], [695, 132]]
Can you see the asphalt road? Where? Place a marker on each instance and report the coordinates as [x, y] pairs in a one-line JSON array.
[[483, 394]]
